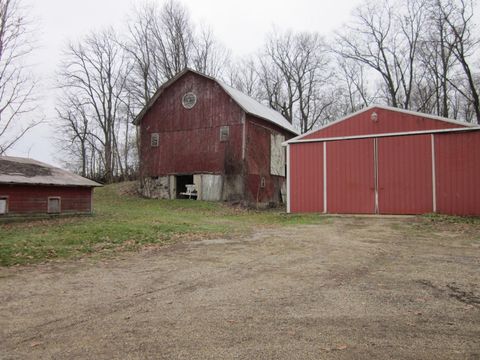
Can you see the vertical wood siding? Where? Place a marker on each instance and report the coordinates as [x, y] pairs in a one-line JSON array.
[[189, 139], [24, 199]]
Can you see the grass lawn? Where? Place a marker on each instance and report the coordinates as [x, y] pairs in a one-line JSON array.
[[124, 222]]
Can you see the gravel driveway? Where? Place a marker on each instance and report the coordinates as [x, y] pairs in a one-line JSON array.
[[351, 288]]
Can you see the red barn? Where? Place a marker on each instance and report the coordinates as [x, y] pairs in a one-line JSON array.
[[203, 139], [30, 187], [384, 160]]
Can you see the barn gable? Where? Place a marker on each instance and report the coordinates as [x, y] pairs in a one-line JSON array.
[[245, 102], [379, 119]]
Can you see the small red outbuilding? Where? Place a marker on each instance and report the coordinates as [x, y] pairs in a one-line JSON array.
[[383, 160], [30, 187]]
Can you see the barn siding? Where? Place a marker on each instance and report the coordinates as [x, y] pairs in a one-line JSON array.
[[257, 161], [190, 139], [405, 175], [306, 188], [457, 164], [389, 121], [24, 199]]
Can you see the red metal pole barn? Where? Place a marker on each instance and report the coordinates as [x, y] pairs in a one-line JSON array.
[[384, 160]]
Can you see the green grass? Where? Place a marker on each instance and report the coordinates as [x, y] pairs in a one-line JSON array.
[[126, 223]]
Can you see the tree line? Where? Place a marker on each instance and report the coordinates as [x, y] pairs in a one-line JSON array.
[[420, 55]]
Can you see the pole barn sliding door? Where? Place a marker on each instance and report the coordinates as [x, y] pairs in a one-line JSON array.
[[405, 184], [457, 163], [351, 176], [306, 177]]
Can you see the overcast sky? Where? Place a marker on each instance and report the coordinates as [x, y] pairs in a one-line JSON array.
[[240, 25]]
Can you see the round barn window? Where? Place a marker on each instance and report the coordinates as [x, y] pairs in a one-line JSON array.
[[189, 100]]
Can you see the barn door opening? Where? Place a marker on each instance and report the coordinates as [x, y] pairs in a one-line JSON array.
[[185, 187]]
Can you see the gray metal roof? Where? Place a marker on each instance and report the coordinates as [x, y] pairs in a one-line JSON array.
[[17, 170], [247, 103]]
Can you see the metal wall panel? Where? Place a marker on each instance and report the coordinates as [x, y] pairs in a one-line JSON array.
[[350, 177], [388, 121], [405, 175], [306, 170], [457, 163]]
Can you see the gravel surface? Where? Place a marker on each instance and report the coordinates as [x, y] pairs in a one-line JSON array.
[[352, 288]]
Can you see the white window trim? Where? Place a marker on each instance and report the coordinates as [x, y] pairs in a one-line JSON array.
[[59, 204], [4, 197]]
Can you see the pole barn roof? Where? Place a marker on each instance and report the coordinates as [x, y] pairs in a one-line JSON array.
[[247, 103]]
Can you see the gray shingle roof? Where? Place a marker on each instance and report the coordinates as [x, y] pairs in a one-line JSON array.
[[17, 170]]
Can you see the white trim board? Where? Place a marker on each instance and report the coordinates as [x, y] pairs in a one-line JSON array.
[[369, 136], [288, 179]]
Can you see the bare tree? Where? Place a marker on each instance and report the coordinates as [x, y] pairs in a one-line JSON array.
[[162, 41], [17, 99], [295, 75], [353, 91], [436, 62], [386, 39], [75, 130], [209, 56], [243, 75], [94, 74], [458, 16]]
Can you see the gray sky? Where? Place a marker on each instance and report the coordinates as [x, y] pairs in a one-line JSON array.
[[240, 25]]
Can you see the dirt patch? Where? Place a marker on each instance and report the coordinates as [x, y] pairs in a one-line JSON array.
[[347, 289]]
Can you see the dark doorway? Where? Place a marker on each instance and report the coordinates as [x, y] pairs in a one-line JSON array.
[[182, 189]]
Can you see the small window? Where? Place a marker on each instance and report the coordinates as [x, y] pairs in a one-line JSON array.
[[224, 133], [154, 140], [262, 182], [3, 205], [54, 205]]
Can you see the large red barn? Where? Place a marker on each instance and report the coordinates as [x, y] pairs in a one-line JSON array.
[[384, 160], [29, 187], [203, 139]]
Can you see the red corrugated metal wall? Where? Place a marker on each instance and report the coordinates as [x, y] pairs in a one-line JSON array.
[[388, 121], [457, 162], [405, 175], [25, 199], [350, 176], [306, 160]]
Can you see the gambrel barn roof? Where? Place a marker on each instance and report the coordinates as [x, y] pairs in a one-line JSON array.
[[17, 170], [247, 103]]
